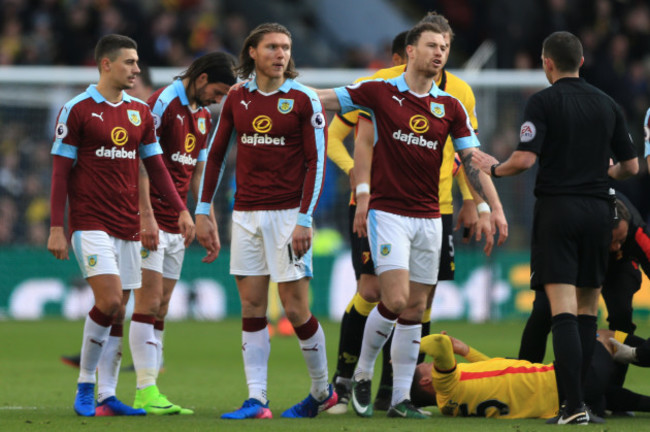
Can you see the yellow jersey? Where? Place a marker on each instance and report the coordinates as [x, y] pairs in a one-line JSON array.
[[499, 387], [448, 82], [490, 387]]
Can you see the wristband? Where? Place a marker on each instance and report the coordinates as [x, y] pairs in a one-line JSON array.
[[493, 170], [363, 188], [483, 208]]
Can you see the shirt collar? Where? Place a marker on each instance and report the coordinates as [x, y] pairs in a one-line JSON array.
[[284, 88], [180, 91], [97, 96], [402, 86]]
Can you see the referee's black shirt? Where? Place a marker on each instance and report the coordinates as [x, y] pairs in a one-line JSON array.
[[574, 129]]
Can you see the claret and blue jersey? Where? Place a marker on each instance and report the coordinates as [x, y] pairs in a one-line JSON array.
[[410, 133], [106, 141], [281, 140]]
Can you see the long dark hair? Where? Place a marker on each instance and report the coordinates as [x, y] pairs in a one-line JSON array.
[[247, 64], [218, 65]]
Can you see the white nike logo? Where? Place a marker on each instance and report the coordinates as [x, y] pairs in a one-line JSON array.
[[245, 104], [99, 116], [398, 100], [358, 408]]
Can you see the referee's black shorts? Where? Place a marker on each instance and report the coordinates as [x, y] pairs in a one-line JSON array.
[[362, 260], [571, 239]]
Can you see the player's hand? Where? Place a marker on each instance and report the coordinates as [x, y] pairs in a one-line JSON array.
[[623, 353], [216, 242], [186, 225], [500, 222], [360, 224], [206, 235], [149, 234], [301, 240], [487, 227], [483, 161], [57, 244], [460, 347], [238, 85], [468, 219]]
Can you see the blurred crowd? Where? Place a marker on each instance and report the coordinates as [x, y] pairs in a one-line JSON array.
[[615, 34]]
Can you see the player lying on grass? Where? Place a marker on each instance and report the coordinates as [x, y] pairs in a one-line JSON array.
[[511, 388]]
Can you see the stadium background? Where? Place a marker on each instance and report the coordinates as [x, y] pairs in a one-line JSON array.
[[496, 49]]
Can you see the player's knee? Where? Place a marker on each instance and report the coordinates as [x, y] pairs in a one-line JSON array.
[[395, 304]]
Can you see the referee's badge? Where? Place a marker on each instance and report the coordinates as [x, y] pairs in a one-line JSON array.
[[285, 105], [92, 260], [527, 132], [437, 109], [134, 117], [201, 125], [384, 249]]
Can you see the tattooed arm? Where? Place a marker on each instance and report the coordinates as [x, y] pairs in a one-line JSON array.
[[483, 186]]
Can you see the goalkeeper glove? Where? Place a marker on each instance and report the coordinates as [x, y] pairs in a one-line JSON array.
[[623, 353]]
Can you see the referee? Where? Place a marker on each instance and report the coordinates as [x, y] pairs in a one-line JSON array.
[[573, 128]]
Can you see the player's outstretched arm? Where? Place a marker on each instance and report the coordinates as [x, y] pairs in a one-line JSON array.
[[328, 99], [484, 187]]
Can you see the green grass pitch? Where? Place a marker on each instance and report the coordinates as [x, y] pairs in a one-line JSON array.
[[203, 371]]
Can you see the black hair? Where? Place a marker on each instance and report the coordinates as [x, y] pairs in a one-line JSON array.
[[564, 49], [110, 46], [219, 66], [399, 44]]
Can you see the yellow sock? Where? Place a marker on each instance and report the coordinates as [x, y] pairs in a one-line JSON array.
[[362, 306]]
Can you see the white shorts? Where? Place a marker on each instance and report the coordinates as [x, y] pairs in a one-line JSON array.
[[402, 242], [99, 253], [168, 259], [261, 245]]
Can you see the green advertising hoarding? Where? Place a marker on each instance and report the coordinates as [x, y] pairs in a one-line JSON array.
[[34, 285]]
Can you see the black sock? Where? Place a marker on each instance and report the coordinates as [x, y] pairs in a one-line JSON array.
[[538, 326], [588, 328], [352, 327], [568, 358], [426, 330]]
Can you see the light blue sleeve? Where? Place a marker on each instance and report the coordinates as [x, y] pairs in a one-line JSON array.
[[148, 150]]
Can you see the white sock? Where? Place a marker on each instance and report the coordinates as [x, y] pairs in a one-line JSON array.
[[404, 355], [159, 351], [108, 368], [313, 350], [91, 351], [256, 348], [375, 335], [144, 350]]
